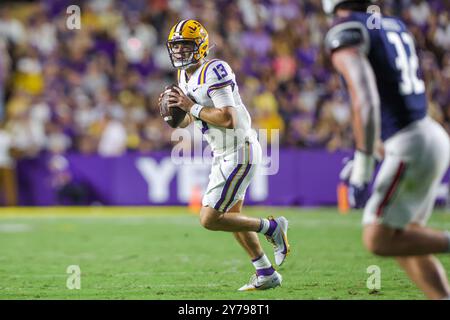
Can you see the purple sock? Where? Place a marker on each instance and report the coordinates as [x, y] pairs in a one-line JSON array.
[[272, 227], [265, 272]]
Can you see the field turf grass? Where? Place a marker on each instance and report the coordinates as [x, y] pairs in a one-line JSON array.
[[163, 253]]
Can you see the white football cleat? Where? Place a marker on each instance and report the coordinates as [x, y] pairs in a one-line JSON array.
[[263, 282], [279, 240]]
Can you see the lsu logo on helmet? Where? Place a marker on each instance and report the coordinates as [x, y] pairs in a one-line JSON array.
[[187, 43]]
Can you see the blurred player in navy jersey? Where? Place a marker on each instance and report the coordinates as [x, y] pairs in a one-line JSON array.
[[377, 59]]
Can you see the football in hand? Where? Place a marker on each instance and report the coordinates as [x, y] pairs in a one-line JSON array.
[[174, 115]]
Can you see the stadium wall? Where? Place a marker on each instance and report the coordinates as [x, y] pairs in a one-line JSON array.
[[304, 178]]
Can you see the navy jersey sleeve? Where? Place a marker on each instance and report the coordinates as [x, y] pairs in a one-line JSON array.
[[347, 34]]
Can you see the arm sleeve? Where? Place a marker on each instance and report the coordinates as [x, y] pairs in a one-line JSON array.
[[223, 97]]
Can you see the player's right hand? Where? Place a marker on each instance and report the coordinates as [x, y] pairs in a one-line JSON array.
[[161, 95], [160, 105], [163, 103]]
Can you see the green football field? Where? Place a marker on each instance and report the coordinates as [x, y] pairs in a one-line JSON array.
[[163, 253]]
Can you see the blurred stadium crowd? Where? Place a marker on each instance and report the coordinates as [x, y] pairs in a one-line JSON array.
[[95, 90]]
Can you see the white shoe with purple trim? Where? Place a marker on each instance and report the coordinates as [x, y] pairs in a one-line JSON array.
[[263, 282], [279, 240]]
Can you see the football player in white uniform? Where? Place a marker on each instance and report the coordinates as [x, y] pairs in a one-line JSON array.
[[208, 92], [381, 70]]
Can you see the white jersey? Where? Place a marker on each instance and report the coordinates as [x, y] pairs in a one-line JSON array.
[[417, 157], [212, 75]]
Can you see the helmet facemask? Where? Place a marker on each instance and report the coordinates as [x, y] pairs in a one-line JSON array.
[[183, 52]]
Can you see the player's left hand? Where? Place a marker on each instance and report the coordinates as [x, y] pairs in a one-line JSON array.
[[358, 189], [180, 100], [358, 195]]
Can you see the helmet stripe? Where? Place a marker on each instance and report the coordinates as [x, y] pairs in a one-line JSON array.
[[179, 26], [176, 27]]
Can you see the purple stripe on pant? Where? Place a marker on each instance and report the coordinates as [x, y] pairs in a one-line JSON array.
[[236, 188], [225, 188]]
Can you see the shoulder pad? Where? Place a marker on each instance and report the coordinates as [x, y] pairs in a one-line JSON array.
[[347, 34]]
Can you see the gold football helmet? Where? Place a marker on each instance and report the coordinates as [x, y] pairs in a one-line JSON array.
[[187, 43]]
